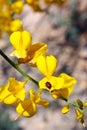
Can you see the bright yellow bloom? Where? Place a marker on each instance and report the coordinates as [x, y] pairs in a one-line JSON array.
[[17, 6], [16, 25], [59, 87], [4, 16], [12, 92], [25, 51], [7, 11], [66, 88], [11, 25], [28, 107]]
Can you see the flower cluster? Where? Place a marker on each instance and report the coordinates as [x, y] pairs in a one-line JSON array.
[[35, 55], [59, 87], [7, 12], [9, 8]]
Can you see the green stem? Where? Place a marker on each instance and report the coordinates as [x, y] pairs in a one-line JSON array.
[[17, 67], [74, 104], [71, 103]]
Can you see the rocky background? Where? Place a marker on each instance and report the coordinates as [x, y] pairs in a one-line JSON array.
[[64, 29]]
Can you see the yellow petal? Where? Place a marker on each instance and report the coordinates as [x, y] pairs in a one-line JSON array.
[[37, 98], [10, 100], [17, 6], [68, 85], [4, 93], [46, 64], [19, 53], [26, 108], [21, 41], [37, 50], [43, 103], [68, 80], [6, 96], [16, 25], [61, 93], [17, 88]]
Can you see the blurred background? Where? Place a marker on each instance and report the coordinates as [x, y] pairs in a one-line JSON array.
[[64, 29]]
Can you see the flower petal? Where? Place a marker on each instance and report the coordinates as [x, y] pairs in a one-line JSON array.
[[17, 88], [37, 99], [16, 25], [21, 41], [37, 50], [68, 80], [4, 92], [10, 100], [26, 108], [46, 64]]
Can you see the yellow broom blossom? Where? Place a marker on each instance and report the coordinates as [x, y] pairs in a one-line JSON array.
[[59, 87], [28, 107], [12, 92], [25, 51]]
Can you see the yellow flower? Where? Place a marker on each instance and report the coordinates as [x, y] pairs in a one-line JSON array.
[[16, 25], [25, 51], [12, 92], [59, 87], [28, 107], [5, 16], [66, 88], [17, 6], [4, 9]]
